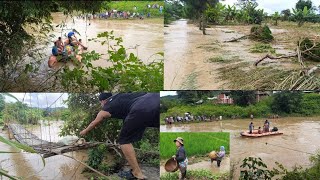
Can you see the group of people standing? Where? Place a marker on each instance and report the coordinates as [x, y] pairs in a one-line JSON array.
[[114, 14], [135, 13], [187, 117]]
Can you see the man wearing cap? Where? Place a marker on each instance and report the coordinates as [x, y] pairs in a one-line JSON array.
[[138, 111], [181, 157]]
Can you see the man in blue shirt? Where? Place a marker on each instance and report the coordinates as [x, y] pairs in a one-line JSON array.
[[73, 41], [55, 50]]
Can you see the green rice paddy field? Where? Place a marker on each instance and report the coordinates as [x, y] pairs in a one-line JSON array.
[[196, 144]]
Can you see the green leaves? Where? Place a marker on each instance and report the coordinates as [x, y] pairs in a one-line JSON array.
[[127, 72], [255, 168]]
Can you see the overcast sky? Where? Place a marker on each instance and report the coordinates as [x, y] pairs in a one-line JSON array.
[[166, 93], [271, 6], [42, 97]]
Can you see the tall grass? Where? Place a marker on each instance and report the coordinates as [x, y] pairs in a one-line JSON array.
[[196, 144]]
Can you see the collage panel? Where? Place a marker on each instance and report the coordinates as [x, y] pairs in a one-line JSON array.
[[273, 134], [79, 136], [194, 155], [242, 44], [81, 46]]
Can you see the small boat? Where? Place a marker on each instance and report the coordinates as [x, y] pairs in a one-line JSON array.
[[256, 134]]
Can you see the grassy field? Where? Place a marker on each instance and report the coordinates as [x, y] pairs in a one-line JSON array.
[[196, 144], [141, 7]]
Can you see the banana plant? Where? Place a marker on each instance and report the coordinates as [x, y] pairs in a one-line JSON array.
[[215, 13], [276, 17], [230, 12], [300, 15]]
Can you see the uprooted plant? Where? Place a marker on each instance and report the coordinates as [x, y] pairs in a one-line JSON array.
[[257, 33], [304, 78]]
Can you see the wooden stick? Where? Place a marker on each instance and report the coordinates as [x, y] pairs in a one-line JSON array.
[[272, 57], [237, 39]]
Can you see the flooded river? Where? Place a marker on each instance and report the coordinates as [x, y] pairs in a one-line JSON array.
[[142, 37], [30, 166], [294, 147], [194, 60]]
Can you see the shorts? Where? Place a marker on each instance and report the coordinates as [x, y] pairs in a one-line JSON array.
[[145, 112]]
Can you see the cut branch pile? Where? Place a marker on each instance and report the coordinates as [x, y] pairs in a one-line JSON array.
[[305, 78]]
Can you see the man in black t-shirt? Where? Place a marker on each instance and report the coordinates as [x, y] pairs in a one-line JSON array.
[[138, 111]]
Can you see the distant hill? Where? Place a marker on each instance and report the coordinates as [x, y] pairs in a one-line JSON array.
[[52, 109]]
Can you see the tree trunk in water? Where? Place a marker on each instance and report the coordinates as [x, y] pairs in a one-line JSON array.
[[204, 25]]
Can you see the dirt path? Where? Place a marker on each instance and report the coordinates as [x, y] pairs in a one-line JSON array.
[[206, 165], [206, 62]]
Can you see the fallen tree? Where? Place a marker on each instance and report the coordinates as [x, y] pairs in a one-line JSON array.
[[305, 78]]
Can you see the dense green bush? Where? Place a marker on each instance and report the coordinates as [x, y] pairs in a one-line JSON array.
[[284, 104], [310, 104], [261, 33]]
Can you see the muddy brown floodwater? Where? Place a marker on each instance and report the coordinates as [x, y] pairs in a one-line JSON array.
[[292, 148], [194, 60], [30, 166], [144, 38]]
